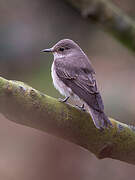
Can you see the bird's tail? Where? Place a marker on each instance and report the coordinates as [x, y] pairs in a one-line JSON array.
[[100, 119]]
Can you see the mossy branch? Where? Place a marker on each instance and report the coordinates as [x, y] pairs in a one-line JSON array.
[[24, 105], [113, 19]]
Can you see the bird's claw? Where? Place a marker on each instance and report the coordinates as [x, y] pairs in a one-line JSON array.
[[81, 107], [64, 100]]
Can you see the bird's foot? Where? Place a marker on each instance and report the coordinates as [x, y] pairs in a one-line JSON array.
[[64, 100], [81, 107], [108, 124]]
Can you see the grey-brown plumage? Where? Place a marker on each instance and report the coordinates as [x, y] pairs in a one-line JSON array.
[[74, 76]]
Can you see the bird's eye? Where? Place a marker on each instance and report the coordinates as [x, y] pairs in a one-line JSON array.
[[61, 49]]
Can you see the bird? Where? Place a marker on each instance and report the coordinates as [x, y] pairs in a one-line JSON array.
[[73, 76]]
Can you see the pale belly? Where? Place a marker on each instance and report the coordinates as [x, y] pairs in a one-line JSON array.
[[63, 89], [59, 85]]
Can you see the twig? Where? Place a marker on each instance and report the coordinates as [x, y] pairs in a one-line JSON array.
[[112, 18]]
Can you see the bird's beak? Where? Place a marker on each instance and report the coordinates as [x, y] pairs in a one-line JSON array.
[[47, 50]]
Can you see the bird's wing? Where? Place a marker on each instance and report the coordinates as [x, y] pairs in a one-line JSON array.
[[82, 83]]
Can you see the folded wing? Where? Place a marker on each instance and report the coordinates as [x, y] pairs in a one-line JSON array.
[[83, 83]]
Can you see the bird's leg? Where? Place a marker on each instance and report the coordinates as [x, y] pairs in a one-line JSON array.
[[81, 107], [64, 100]]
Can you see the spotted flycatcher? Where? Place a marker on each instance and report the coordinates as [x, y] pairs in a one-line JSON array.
[[74, 76]]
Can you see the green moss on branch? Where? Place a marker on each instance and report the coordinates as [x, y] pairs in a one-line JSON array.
[[24, 105]]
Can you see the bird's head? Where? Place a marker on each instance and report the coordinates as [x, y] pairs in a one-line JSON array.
[[65, 47]]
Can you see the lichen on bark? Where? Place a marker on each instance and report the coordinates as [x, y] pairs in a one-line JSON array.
[[24, 105]]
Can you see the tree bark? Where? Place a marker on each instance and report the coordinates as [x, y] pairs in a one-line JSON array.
[[24, 105]]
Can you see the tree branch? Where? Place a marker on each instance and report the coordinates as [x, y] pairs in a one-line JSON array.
[[113, 19], [24, 105]]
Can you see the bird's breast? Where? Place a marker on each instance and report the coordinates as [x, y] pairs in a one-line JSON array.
[[58, 84]]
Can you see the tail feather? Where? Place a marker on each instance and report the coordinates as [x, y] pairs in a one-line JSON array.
[[100, 119]]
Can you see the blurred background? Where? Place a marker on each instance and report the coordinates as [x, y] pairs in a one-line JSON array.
[[26, 27]]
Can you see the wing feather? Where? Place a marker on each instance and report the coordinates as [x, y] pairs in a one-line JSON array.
[[83, 83]]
